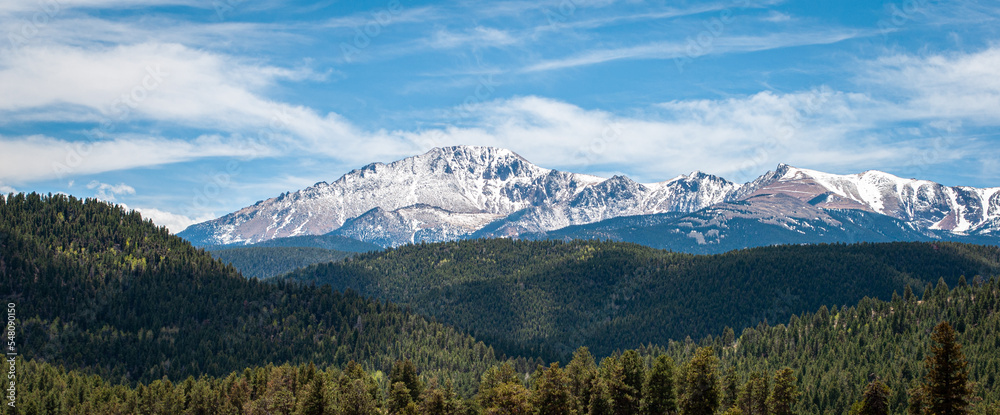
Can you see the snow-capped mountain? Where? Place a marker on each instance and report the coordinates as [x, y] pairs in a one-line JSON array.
[[459, 192], [616, 197], [473, 182], [926, 204]]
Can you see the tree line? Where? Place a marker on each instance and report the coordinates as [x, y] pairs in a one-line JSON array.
[[628, 383]]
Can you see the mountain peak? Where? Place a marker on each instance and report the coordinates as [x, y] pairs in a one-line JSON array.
[[467, 152], [450, 192]]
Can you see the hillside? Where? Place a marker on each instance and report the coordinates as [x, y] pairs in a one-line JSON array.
[[100, 289], [328, 241], [835, 351], [266, 262], [827, 356], [548, 297]]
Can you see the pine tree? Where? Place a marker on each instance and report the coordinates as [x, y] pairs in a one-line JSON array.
[[600, 403], [633, 376], [509, 399], [315, 401], [784, 394], [876, 399], [581, 372], [405, 371], [701, 391], [438, 400], [730, 389], [400, 400], [551, 395], [356, 399], [753, 396], [659, 396], [947, 380], [917, 402], [492, 380]]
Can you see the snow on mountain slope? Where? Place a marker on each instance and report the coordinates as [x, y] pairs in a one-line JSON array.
[[413, 224], [457, 192], [616, 197], [460, 179], [926, 204]]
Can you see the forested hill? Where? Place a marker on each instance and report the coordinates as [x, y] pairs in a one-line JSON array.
[[850, 360], [267, 262], [548, 297], [101, 289], [837, 351]]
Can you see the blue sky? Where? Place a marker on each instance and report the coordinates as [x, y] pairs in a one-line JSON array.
[[190, 109]]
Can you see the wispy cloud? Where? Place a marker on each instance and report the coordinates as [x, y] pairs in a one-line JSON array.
[[478, 37], [11, 6], [35, 158], [684, 48], [956, 86], [391, 14], [777, 17]]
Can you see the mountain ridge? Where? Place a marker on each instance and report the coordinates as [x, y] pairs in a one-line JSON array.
[[461, 192]]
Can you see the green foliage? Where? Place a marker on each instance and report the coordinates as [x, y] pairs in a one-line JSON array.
[[753, 397], [440, 399], [875, 400], [510, 398], [701, 384], [267, 262], [660, 396], [405, 371], [582, 372], [546, 298], [947, 381], [551, 393], [328, 241], [835, 352], [117, 316], [784, 394], [101, 289]]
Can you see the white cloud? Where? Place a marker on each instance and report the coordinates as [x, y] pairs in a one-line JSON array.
[[691, 48], [777, 17], [738, 138], [172, 221], [54, 6], [956, 86], [165, 82], [4, 189], [109, 192], [40, 157], [385, 16], [478, 37]]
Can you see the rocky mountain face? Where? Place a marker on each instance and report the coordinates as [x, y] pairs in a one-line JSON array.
[[461, 192]]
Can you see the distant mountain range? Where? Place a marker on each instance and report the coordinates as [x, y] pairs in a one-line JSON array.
[[465, 192]]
